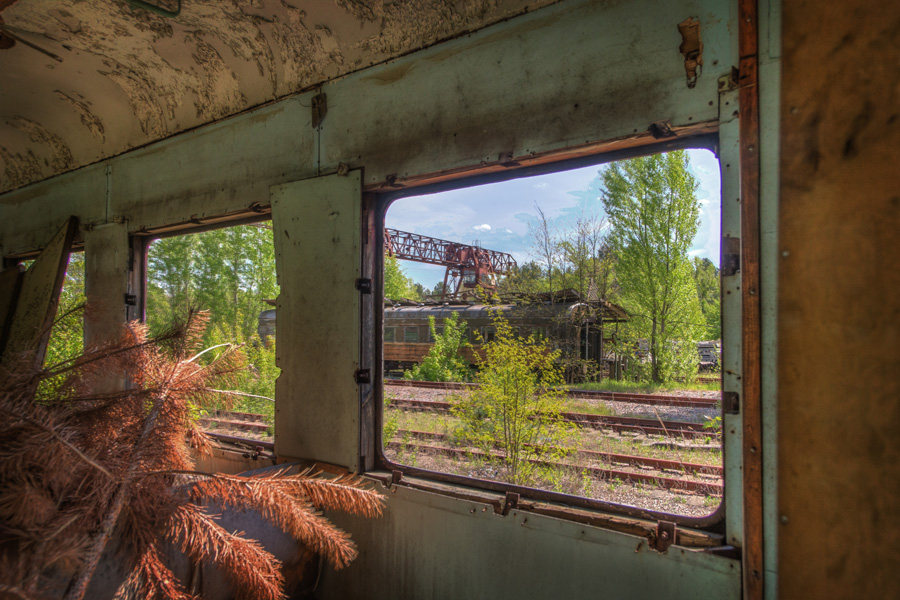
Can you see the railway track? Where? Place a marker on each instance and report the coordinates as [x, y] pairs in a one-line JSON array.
[[627, 459], [670, 429], [659, 480], [648, 399], [250, 422], [647, 426]]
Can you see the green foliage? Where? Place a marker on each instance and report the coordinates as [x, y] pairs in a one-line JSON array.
[[227, 272], [517, 408], [66, 340], [396, 284], [706, 279], [654, 214], [259, 378], [443, 361]]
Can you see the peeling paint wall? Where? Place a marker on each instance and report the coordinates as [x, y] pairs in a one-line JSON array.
[[128, 77]]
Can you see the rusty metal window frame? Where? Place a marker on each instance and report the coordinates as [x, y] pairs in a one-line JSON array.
[[713, 523]]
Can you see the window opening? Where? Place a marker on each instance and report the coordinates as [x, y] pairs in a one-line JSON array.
[[621, 402], [66, 340], [230, 274]]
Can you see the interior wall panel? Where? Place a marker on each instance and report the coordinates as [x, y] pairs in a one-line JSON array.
[[433, 546], [839, 302], [566, 76]]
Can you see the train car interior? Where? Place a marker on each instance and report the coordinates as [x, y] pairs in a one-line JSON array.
[[127, 121]]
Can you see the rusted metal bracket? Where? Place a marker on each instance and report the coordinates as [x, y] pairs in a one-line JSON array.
[[396, 477], [731, 256], [729, 82], [731, 403], [665, 535], [510, 502], [130, 300], [319, 109], [363, 376]]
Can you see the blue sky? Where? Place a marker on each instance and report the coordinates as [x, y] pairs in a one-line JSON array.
[[501, 216]]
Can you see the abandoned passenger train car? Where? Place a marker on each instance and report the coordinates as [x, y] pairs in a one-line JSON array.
[[143, 119]]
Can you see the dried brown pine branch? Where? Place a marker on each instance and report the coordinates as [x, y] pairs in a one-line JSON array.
[[122, 470]]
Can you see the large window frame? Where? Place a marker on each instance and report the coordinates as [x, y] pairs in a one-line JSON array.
[[381, 201]]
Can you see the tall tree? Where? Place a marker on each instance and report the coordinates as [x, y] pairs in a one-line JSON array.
[[706, 278], [654, 214], [545, 244]]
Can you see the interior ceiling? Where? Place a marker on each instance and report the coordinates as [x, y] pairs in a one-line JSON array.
[[85, 80]]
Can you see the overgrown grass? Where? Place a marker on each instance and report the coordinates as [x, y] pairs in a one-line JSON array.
[[634, 387]]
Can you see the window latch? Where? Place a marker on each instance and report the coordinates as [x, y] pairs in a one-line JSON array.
[[364, 286], [130, 300]]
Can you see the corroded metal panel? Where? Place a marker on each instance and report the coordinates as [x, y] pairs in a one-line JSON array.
[[31, 215], [224, 168], [317, 228], [433, 546], [566, 76]]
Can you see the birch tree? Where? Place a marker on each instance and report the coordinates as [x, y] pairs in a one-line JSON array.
[[654, 214]]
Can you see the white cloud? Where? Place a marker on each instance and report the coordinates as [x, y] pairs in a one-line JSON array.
[[484, 227]]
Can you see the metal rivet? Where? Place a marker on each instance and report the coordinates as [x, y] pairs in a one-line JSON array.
[[785, 253], [784, 519]]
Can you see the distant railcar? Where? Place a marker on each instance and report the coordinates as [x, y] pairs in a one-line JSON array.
[[575, 327]]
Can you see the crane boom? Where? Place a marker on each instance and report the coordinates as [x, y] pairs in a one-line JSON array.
[[467, 266]]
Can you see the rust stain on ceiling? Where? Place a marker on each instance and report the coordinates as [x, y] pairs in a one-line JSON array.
[[128, 77]]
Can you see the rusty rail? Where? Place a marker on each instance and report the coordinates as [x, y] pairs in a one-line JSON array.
[[647, 426], [634, 398], [668, 483], [656, 463]]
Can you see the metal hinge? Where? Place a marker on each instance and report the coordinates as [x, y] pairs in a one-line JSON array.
[[364, 285], [363, 376], [665, 535], [731, 403], [731, 256], [319, 109], [130, 300]]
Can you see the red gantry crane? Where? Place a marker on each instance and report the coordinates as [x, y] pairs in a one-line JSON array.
[[467, 266]]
